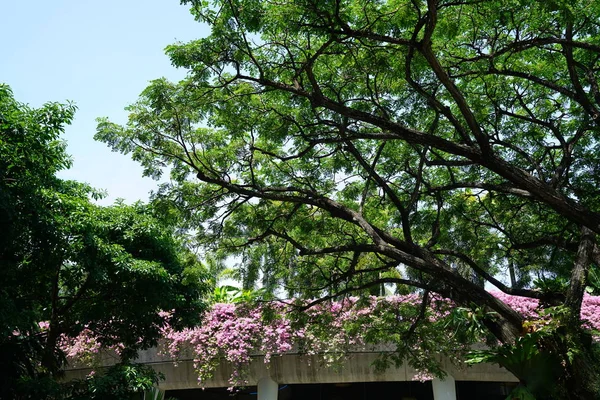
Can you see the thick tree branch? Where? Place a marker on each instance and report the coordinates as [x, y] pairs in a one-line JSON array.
[[508, 189], [484, 274]]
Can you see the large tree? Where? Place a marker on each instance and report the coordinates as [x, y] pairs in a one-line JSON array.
[[335, 145], [67, 264]]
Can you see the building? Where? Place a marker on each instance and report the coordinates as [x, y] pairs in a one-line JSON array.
[[295, 376]]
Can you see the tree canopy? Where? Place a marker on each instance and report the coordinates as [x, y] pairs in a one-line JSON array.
[[333, 146], [67, 264]]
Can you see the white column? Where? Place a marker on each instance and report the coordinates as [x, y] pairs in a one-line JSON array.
[[444, 390], [267, 389]]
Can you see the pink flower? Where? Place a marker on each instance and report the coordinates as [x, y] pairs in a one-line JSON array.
[[422, 376]]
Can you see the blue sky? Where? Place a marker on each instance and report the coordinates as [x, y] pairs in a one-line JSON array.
[[100, 55]]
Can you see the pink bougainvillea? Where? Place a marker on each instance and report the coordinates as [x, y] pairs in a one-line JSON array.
[[524, 305], [590, 311], [528, 307], [233, 333], [85, 348]]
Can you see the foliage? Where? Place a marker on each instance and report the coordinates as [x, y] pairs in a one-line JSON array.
[[68, 265], [338, 146], [521, 393], [232, 294], [154, 393], [118, 382], [532, 356], [524, 358]]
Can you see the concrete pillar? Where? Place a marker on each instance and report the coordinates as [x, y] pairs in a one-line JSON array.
[[267, 389], [444, 390]]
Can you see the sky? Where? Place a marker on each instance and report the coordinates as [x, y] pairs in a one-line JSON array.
[[100, 55]]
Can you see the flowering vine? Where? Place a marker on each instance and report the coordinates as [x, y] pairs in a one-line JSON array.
[[235, 333]]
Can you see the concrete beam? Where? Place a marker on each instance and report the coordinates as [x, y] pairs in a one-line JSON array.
[[298, 369]]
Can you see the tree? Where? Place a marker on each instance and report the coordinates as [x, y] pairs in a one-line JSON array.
[[338, 145], [67, 264], [119, 382]]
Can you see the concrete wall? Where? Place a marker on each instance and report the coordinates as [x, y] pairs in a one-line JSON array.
[[296, 368]]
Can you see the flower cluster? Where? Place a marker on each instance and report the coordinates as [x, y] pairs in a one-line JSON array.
[[590, 312], [528, 307], [85, 344], [233, 333], [86, 348]]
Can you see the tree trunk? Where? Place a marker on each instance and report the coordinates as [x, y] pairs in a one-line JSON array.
[[561, 366], [580, 376], [50, 362]]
